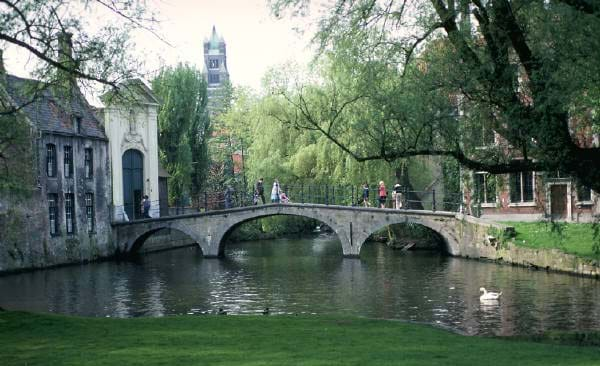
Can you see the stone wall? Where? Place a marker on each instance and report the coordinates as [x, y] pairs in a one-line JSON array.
[[25, 239], [494, 243]]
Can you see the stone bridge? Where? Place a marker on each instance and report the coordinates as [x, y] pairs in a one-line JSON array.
[[352, 225]]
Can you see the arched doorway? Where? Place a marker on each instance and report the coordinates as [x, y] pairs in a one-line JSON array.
[[133, 182]]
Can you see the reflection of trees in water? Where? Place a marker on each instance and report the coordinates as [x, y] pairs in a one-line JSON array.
[[310, 275]]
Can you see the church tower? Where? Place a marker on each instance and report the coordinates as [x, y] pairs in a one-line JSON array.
[[215, 69]]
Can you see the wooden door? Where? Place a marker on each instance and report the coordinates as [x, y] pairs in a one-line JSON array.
[[133, 182], [558, 201]]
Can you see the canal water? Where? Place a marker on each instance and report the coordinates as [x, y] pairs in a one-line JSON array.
[[310, 276]]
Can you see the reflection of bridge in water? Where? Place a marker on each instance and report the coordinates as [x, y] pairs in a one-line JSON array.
[[352, 225]]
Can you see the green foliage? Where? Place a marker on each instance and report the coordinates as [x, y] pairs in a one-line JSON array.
[[16, 156], [35, 339], [295, 156], [102, 50], [183, 129], [436, 77]]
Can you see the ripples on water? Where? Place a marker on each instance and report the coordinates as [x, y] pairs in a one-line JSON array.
[[310, 276]]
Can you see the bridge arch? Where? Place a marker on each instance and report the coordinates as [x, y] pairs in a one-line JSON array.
[[445, 233], [140, 238], [228, 230]]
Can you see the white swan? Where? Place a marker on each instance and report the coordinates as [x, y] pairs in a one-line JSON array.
[[489, 295]]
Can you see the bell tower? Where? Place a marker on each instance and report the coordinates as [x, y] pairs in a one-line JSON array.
[[215, 68]]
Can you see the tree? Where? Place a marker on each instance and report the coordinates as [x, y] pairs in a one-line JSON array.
[[402, 72], [101, 53], [183, 128], [66, 46]]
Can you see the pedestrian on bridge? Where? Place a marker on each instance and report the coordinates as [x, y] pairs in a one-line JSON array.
[[365, 194], [229, 197], [382, 194], [260, 189], [146, 207], [275, 191], [397, 193]]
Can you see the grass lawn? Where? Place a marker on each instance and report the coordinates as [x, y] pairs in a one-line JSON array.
[[36, 339], [571, 238]]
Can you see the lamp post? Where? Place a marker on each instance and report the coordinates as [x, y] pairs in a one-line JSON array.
[[243, 167]]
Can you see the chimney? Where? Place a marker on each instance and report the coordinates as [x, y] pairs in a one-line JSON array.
[[2, 69], [65, 58]]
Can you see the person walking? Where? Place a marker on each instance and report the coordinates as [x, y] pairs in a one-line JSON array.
[[382, 194], [229, 197], [146, 207], [260, 189], [365, 194], [275, 192], [398, 196]]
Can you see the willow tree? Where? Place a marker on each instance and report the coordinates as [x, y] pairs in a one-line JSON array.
[[426, 72], [183, 128]]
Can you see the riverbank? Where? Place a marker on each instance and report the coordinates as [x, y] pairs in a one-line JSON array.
[[571, 238], [36, 339], [563, 247]]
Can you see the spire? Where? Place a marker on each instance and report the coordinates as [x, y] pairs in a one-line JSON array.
[[214, 39]]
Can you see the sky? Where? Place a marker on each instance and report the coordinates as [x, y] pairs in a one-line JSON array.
[[255, 40]]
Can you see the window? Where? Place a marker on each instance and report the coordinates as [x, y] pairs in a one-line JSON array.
[[132, 125], [521, 187], [77, 124], [485, 187], [488, 137], [584, 194], [213, 64], [51, 160], [68, 161], [53, 213], [89, 211], [70, 212], [89, 163], [213, 78]]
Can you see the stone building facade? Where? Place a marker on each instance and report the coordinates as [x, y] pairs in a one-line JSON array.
[[66, 218], [529, 196], [130, 122]]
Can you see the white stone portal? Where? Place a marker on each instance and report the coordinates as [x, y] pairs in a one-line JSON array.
[[130, 122]]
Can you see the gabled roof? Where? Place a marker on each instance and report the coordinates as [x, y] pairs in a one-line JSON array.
[[133, 91], [51, 113]]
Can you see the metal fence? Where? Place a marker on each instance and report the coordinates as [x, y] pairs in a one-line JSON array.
[[305, 194]]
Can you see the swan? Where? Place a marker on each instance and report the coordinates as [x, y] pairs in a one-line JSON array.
[[489, 295]]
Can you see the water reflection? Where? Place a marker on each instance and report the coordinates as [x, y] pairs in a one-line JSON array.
[[311, 276]]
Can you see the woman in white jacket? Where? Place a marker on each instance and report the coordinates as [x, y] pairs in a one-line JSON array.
[[275, 192]]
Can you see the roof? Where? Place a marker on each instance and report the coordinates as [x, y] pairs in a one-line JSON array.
[[131, 91], [51, 113], [162, 172], [215, 39]]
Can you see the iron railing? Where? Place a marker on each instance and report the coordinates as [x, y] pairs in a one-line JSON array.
[[338, 195]]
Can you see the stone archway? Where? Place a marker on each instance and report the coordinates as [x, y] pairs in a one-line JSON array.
[[445, 230], [139, 239], [218, 238]]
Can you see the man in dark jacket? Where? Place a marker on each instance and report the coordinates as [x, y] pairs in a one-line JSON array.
[[260, 188]]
